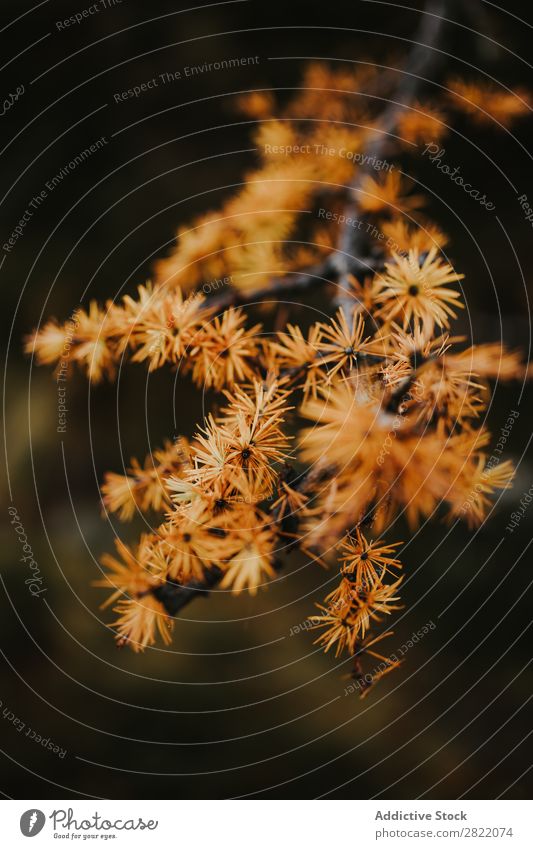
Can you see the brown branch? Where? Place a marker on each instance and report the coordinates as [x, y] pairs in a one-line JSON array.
[[354, 251], [424, 59], [174, 596], [278, 288]]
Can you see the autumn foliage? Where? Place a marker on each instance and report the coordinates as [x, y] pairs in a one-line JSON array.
[[319, 436]]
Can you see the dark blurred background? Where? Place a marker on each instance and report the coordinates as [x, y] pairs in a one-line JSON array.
[[236, 705]]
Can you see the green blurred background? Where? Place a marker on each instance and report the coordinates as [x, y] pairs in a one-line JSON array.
[[236, 706]]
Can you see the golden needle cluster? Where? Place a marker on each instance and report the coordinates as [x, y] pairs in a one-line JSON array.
[[320, 436]]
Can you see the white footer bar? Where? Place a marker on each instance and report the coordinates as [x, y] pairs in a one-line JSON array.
[[267, 824]]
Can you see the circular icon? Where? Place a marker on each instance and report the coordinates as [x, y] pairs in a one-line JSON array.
[[32, 822]]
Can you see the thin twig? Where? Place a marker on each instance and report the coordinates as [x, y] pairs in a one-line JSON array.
[[423, 60], [276, 288], [174, 596], [353, 251]]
